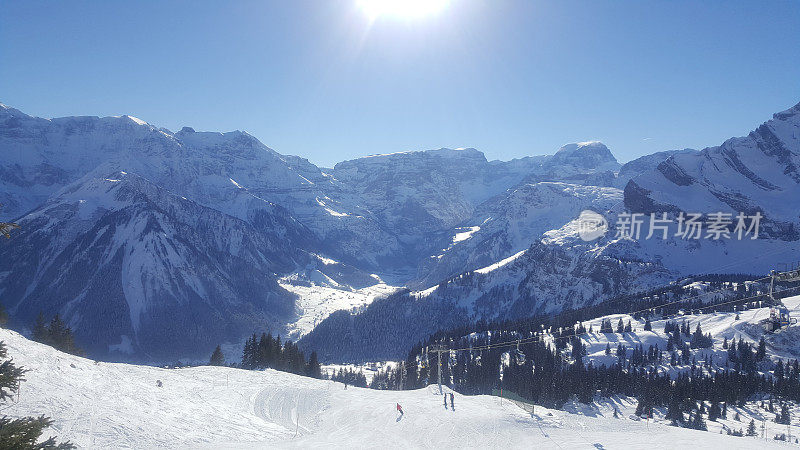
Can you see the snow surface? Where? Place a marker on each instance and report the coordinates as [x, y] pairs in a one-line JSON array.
[[103, 405], [500, 263], [464, 235], [318, 302]]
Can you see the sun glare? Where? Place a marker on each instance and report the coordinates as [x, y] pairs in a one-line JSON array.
[[405, 9]]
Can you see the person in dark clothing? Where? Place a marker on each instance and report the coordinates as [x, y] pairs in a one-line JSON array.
[[400, 409], [452, 404]]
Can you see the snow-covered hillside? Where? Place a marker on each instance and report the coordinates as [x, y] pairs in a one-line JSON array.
[[104, 405], [213, 219], [723, 327], [317, 301]]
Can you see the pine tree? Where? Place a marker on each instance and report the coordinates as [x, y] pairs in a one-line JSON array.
[[778, 371], [620, 326], [314, 369], [784, 417], [647, 325], [249, 353], [751, 428], [714, 411], [55, 334], [24, 433], [217, 358], [761, 353], [699, 340], [40, 333], [674, 412], [698, 423]]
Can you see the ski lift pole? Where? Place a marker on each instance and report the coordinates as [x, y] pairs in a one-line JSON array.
[[439, 348], [402, 373], [439, 372], [772, 287]]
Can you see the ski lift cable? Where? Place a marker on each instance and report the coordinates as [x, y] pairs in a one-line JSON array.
[[541, 338], [734, 264], [747, 298], [684, 300], [535, 338], [488, 346], [773, 253]]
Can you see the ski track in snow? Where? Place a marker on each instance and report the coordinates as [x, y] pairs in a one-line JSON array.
[[104, 405]]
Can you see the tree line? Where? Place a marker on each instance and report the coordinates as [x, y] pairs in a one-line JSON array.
[[268, 352]]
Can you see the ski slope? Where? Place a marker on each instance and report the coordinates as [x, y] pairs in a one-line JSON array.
[[105, 405]]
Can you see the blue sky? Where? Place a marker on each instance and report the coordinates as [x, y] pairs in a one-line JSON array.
[[322, 80]]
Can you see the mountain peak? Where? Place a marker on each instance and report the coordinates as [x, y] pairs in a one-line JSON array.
[[587, 146], [7, 111], [791, 112], [135, 120], [443, 152], [585, 154]]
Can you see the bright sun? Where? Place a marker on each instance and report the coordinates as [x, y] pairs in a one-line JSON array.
[[406, 9]]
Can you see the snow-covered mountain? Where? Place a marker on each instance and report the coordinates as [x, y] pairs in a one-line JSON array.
[[121, 196], [230, 172], [510, 223], [560, 270], [543, 279], [135, 269], [644, 164], [758, 172], [420, 194], [197, 237], [584, 162]]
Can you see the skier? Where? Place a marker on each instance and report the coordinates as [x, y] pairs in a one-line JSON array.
[[452, 403], [400, 409], [445, 400]]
